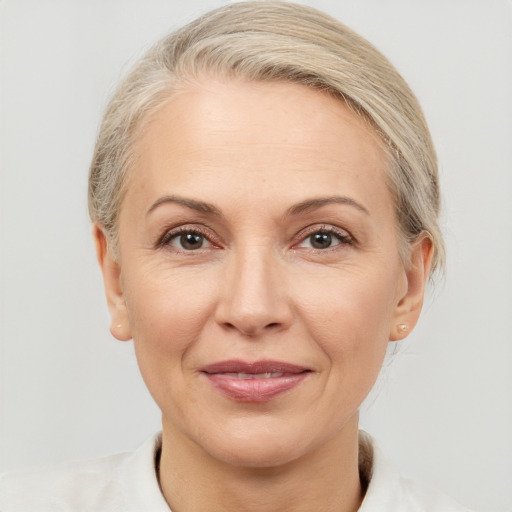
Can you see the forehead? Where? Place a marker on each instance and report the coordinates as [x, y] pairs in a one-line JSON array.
[[221, 139]]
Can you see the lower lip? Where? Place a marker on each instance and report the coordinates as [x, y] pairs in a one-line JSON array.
[[254, 390]]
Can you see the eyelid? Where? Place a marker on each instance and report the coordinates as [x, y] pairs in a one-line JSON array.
[[344, 236], [170, 233]]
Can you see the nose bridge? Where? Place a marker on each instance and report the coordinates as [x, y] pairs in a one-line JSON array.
[[254, 299]]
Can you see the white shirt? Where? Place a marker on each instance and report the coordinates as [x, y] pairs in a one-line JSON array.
[[128, 483]]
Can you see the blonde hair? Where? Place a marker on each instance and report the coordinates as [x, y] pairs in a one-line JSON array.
[[275, 41]]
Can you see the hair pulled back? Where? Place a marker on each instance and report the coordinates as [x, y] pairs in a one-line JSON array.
[[275, 41]]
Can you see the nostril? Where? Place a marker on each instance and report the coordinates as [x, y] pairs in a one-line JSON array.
[[250, 330]]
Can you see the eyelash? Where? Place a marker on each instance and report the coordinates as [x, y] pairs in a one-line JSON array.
[[343, 237], [170, 235]]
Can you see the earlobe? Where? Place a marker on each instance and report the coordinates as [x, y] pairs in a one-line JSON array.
[[409, 307], [111, 271]]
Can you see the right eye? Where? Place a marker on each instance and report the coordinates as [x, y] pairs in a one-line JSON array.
[[185, 240]]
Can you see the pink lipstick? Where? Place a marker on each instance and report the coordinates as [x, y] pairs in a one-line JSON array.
[[255, 382]]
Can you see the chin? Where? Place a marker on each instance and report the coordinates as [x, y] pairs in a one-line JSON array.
[[266, 447], [267, 454]]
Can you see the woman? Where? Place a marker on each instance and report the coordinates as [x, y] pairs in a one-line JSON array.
[[264, 195]]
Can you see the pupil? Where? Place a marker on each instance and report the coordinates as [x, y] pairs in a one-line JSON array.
[[321, 240], [191, 241]]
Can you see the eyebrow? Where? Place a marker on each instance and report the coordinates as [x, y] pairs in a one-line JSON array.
[[199, 206], [315, 203], [297, 209]]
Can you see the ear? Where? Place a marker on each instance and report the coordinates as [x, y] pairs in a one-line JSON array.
[[111, 270], [408, 309]]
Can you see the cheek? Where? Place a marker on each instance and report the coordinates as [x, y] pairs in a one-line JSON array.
[[354, 305], [167, 316], [349, 319], [167, 313]]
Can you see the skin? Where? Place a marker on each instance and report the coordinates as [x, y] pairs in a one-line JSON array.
[[258, 289]]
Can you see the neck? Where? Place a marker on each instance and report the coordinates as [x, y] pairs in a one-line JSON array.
[[326, 478]]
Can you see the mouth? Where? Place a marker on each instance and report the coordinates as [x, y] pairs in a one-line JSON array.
[[254, 382]]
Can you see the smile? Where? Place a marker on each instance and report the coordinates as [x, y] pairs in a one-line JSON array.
[[256, 382], [242, 375]]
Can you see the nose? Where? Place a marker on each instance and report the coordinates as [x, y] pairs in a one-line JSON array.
[[254, 299]]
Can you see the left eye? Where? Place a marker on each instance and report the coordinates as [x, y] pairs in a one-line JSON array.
[[189, 241], [323, 240]]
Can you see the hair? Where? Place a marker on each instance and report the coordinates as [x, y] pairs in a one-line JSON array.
[[275, 41]]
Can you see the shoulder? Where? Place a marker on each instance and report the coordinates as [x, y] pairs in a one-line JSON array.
[[419, 497], [388, 491], [114, 483], [66, 486]]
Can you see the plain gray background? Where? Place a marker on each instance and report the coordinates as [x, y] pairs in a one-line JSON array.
[[68, 390]]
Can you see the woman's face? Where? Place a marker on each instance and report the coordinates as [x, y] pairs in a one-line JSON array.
[[259, 271]]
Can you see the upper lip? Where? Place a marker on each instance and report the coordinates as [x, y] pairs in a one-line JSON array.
[[256, 367]]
